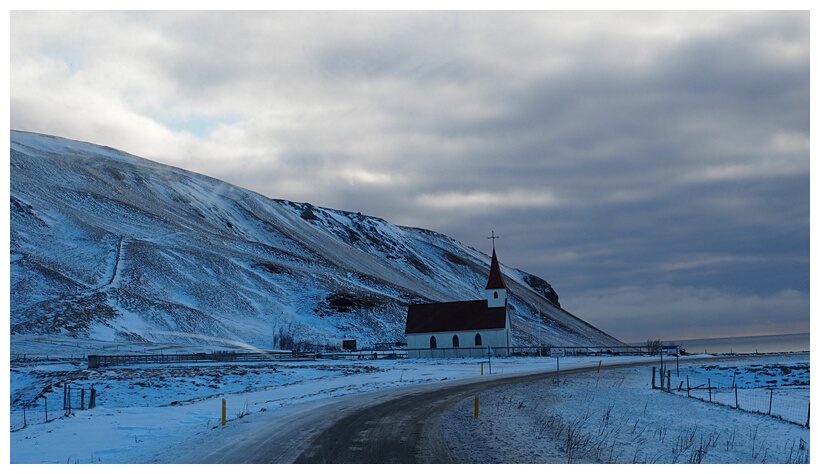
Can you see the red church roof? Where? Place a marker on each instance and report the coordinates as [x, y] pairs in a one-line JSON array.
[[495, 280], [454, 316]]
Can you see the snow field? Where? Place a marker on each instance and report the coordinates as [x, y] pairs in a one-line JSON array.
[[616, 417], [611, 417]]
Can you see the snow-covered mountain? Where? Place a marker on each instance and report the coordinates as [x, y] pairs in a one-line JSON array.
[[109, 246]]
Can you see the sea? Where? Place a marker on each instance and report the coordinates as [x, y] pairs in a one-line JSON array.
[[746, 345]]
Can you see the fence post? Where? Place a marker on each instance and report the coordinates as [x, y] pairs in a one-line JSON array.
[[808, 410], [224, 417], [653, 376], [688, 395], [92, 401], [709, 382], [475, 407], [669, 381], [771, 394], [82, 399], [736, 404]]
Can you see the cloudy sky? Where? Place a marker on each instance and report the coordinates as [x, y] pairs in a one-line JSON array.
[[652, 166]]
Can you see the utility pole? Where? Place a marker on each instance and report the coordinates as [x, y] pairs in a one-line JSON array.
[[489, 359], [272, 335]]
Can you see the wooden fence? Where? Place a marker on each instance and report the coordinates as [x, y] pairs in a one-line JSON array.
[[777, 402], [98, 361], [528, 351]]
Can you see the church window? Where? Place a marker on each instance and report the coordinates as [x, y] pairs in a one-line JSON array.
[[432, 342], [495, 295], [455, 341], [478, 339]]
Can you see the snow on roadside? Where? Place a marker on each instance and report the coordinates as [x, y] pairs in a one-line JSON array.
[[142, 409], [616, 417]]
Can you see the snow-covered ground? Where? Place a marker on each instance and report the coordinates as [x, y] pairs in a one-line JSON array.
[[611, 415]]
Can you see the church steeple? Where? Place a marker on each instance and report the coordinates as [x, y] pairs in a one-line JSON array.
[[495, 281], [496, 289]]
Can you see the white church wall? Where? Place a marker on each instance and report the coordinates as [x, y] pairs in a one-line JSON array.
[[418, 345]]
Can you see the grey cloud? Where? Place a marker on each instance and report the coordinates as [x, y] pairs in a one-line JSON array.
[[608, 149], [687, 313]]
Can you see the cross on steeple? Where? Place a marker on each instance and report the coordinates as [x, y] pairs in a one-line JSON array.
[[493, 237]]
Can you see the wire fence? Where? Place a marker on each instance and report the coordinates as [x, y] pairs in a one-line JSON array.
[[48, 406], [778, 396]]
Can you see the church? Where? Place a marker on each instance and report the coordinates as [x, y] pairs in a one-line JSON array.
[[462, 328]]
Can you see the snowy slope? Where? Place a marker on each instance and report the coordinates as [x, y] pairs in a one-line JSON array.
[[108, 246]]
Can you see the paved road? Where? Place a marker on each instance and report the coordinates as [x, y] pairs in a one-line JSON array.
[[404, 430], [395, 426]]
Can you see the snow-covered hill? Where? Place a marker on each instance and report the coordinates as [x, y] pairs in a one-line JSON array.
[[112, 247]]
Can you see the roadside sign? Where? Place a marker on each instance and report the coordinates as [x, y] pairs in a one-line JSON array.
[[557, 352]]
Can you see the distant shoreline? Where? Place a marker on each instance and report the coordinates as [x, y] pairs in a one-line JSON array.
[[770, 344]]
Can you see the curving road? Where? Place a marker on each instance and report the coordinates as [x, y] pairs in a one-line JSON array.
[[395, 426], [406, 429]]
